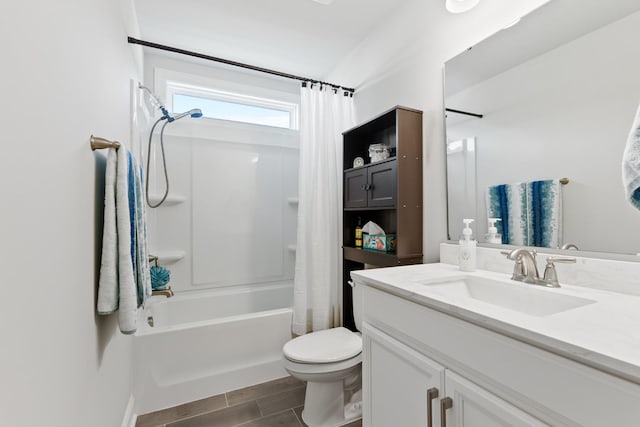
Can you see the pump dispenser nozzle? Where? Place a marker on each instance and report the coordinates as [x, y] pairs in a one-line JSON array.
[[492, 235], [466, 231]]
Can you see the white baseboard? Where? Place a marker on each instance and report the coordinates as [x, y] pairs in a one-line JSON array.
[[130, 417]]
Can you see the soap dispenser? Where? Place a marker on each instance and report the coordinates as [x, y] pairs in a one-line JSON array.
[[467, 250], [492, 236]]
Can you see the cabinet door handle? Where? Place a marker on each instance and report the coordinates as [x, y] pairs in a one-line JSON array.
[[364, 187], [432, 393], [446, 403]]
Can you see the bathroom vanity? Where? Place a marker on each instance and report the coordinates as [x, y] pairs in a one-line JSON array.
[[442, 347]]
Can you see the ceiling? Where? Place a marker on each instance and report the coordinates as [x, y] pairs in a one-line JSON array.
[[300, 37]]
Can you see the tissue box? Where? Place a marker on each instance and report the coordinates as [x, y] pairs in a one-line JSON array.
[[379, 242]]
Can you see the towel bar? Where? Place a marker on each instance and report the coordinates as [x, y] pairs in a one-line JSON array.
[[98, 143]]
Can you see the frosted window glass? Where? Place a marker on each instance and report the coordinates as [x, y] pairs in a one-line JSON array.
[[233, 111]]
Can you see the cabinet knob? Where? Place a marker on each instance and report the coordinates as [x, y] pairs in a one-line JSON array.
[[446, 403], [432, 393]]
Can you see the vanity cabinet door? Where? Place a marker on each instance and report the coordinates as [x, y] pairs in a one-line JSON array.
[[355, 188], [472, 406], [396, 383], [382, 185]]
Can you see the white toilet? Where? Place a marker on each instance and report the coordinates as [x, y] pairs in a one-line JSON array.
[[330, 362]]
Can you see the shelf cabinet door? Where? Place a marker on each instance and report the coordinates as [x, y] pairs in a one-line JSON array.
[[355, 188], [381, 180], [475, 407], [395, 383]]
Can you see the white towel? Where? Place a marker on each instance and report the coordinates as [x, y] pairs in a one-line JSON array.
[[108, 285], [631, 164], [128, 300]]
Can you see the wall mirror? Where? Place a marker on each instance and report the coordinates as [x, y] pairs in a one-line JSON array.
[[553, 96]]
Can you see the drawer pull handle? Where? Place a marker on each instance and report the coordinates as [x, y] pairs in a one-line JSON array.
[[446, 403], [432, 393]]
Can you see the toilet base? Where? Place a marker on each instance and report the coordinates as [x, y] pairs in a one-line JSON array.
[[325, 405]]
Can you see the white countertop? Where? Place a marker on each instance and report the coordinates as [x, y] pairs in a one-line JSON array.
[[604, 334]]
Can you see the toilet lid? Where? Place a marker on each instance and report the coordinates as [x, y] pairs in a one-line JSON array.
[[330, 345]]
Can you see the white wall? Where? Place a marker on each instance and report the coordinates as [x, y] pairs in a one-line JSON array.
[[65, 74], [402, 64], [571, 120]]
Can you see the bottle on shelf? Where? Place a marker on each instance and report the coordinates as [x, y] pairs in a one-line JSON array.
[[358, 236]]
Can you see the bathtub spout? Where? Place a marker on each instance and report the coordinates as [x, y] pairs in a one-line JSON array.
[[166, 292]]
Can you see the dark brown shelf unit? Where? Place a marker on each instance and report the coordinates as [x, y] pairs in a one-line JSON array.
[[390, 159], [379, 259], [388, 192]]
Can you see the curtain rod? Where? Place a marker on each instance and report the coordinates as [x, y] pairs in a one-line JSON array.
[[466, 113], [132, 40]]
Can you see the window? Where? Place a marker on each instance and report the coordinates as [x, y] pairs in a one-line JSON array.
[[232, 106]]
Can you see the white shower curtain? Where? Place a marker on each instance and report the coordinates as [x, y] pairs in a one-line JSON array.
[[324, 116]]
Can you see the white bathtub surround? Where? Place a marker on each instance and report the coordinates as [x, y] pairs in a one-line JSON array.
[[230, 221], [597, 273], [324, 116], [210, 342]]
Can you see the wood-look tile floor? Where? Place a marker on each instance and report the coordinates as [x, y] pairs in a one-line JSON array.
[[275, 403]]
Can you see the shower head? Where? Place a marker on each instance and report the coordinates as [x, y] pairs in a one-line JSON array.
[[195, 113]]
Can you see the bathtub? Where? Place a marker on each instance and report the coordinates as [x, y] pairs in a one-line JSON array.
[[209, 342]]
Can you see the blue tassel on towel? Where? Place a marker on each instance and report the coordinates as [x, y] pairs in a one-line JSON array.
[[531, 212], [631, 164], [498, 207], [160, 277]]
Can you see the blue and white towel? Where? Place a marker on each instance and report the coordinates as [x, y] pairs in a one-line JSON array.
[[531, 212], [631, 164], [124, 272], [143, 275], [545, 213], [508, 202]]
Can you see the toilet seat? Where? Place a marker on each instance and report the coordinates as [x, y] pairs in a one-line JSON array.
[[321, 368], [324, 347]]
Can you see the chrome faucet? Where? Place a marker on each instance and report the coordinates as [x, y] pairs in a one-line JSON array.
[[526, 270]]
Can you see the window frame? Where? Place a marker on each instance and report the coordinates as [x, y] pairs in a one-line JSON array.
[[172, 87]]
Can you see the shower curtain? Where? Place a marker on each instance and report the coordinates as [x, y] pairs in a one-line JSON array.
[[324, 115]]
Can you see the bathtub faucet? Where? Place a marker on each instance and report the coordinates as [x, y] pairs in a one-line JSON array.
[[166, 292]]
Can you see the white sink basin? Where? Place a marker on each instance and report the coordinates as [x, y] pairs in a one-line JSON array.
[[512, 295]]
